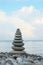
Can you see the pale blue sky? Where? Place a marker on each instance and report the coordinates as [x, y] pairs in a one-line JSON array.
[[13, 6], [26, 15]]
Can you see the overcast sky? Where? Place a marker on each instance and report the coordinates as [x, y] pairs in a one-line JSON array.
[[24, 14]]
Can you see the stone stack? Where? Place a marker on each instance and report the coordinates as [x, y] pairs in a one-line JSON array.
[[18, 43]]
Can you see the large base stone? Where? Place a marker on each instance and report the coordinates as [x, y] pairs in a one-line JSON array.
[[17, 53]]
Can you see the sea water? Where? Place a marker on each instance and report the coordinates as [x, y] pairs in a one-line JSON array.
[[31, 47]]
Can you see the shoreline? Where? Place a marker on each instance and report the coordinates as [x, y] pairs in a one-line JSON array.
[[30, 59]]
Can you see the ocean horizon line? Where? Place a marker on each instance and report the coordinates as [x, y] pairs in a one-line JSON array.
[[23, 40]]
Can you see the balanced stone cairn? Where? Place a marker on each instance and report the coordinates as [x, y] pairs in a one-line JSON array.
[[18, 43]]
